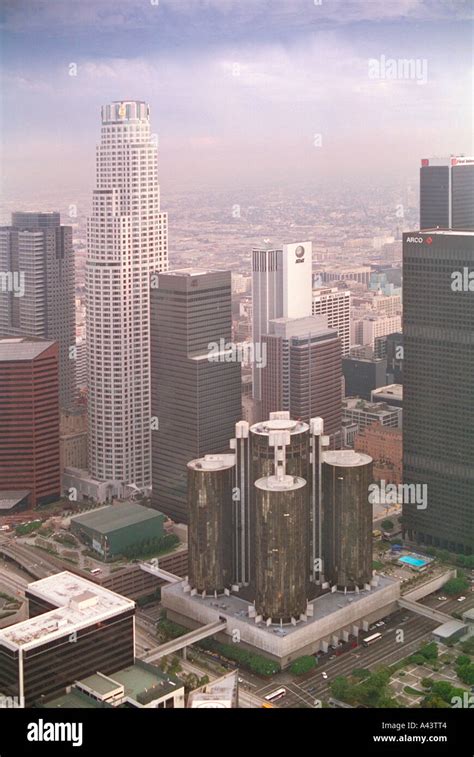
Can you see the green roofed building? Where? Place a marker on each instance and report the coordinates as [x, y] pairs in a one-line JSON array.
[[112, 529]]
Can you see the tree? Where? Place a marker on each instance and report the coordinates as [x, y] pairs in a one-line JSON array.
[[303, 665], [361, 672], [429, 651], [388, 525], [455, 586], [264, 667], [340, 688], [427, 683], [443, 689]]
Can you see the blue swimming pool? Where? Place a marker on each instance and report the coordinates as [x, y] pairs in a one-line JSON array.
[[417, 562]]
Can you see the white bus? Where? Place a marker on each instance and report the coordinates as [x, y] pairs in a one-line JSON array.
[[278, 694], [371, 639]]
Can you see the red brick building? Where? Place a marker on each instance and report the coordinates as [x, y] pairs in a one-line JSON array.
[[29, 417], [384, 445]]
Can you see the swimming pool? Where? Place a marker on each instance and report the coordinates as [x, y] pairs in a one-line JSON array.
[[417, 562]]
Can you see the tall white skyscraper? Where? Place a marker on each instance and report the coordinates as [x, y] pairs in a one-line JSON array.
[[335, 304], [127, 241], [281, 287]]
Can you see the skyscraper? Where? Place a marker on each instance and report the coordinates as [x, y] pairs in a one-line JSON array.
[[281, 539], [447, 193], [335, 304], [29, 418], [347, 519], [210, 485], [281, 286], [438, 385], [127, 241], [303, 373], [196, 378], [37, 251]]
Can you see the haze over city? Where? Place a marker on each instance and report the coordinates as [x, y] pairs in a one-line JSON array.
[[238, 90]]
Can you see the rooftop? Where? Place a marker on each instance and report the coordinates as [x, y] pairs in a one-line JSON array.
[[22, 347], [393, 390], [113, 517], [10, 498], [346, 458], [79, 603], [141, 679]]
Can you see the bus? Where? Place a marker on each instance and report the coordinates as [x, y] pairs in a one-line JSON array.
[[371, 639], [278, 694]]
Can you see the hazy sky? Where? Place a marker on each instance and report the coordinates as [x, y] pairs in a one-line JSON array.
[[238, 88]]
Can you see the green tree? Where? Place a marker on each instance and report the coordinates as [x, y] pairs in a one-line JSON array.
[[361, 672], [455, 586], [388, 525], [303, 665], [340, 688]]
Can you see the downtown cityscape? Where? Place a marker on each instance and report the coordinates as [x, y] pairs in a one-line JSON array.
[[236, 369]]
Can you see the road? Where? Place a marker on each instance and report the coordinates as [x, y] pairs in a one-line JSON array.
[[30, 561], [384, 652]]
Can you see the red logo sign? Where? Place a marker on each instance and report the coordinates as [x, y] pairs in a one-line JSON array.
[[429, 240]]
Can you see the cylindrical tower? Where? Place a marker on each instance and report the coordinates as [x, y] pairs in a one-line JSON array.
[[281, 547], [210, 482], [347, 519], [297, 462], [297, 451]]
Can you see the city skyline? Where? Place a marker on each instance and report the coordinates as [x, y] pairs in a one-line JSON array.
[[236, 367]]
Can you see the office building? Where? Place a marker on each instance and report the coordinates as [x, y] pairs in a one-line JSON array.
[[39, 300], [137, 686], [357, 273], [335, 304], [394, 350], [392, 395], [384, 445], [196, 379], [365, 413], [303, 371], [281, 287], [363, 374], [347, 519], [75, 629], [29, 418], [438, 383], [366, 330], [447, 193], [73, 438], [127, 241], [210, 488], [281, 540]]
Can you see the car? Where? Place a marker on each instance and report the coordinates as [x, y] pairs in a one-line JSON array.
[[332, 657], [461, 599], [324, 675], [405, 618], [442, 598]]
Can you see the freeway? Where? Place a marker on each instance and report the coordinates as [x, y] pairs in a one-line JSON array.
[[11, 581], [27, 558]]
